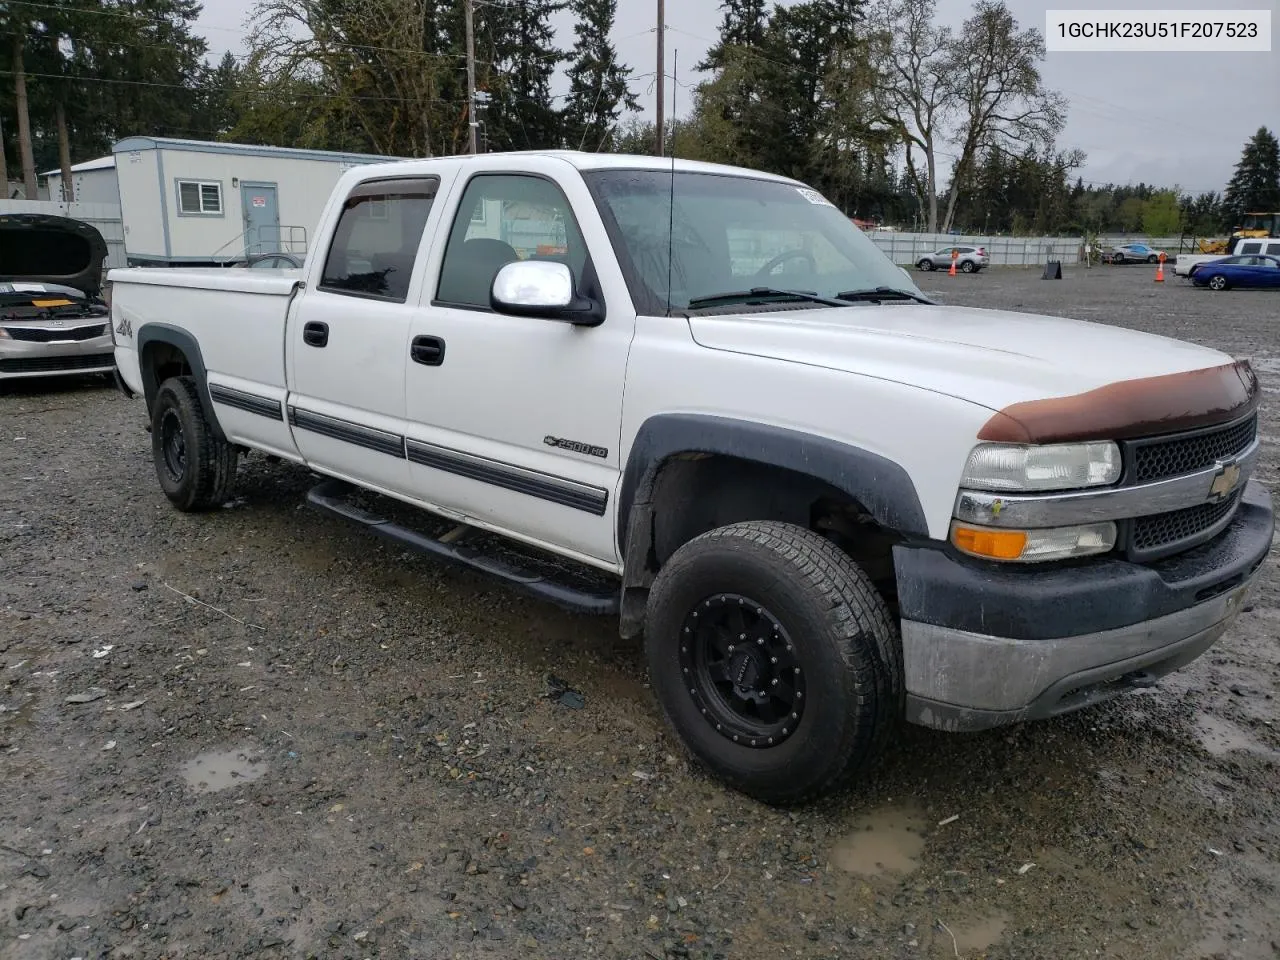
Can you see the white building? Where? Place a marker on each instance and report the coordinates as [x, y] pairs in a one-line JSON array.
[[93, 181], [195, 203]]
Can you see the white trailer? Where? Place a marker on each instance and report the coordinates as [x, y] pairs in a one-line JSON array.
[[93, 181], [198, 203]]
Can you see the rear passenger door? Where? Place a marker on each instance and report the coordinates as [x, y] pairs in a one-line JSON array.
[[348, 336]]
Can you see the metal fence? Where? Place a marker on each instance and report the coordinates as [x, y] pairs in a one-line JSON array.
[[908, 248], [104, 217]]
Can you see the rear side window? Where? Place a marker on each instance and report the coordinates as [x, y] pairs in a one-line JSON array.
[[1251, 247], [377, 238], [1273, 249]]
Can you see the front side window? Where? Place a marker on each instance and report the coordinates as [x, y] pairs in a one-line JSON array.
[[732, 233], [377, 237], [500, 219], [200, 198]]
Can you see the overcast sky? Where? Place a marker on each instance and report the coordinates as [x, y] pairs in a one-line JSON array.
[[1162, 118]]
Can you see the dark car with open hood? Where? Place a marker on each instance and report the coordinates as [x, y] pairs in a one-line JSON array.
[[53, 318]]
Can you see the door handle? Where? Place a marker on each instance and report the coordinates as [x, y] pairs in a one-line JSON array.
[[428, 351], [315, 334]]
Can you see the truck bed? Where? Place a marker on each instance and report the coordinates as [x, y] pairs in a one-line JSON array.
[[236, 316]]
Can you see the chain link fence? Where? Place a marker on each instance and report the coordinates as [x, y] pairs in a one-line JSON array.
[[908, 248]]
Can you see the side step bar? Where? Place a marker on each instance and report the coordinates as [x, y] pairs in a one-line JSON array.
[[330, 495]]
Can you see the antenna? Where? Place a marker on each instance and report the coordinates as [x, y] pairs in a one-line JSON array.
[[671, 209]]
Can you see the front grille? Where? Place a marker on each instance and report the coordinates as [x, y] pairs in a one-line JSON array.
[[56, 364], [1166, 532], [47, 335], [1167, 457]]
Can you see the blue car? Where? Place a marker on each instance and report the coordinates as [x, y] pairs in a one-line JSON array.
[[1245, 271]]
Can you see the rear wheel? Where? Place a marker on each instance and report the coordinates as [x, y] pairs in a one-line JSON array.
[[194, 467], [1218, 282], [774, 659], [925, 264]]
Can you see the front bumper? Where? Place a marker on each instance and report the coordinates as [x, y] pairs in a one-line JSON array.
[[23, 358], [984, 645]]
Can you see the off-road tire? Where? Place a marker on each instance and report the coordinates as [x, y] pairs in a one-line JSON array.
[[209, 466], [845, 640]]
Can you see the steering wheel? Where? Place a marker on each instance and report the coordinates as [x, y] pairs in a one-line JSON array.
[[783, 257]]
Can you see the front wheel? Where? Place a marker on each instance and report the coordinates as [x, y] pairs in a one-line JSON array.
[[1218, 282], [967, 266], [194, 467], [774, 659], [1152, 259]]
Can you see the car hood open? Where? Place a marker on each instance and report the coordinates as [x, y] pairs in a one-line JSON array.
[[41, 248]]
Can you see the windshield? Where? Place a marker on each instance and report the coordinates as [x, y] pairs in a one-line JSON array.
[[732, 234]]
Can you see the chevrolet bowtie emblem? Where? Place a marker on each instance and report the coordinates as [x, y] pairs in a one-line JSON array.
[[1224, 481]]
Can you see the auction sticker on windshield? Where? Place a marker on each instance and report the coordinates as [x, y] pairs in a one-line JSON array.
[[813, 196]]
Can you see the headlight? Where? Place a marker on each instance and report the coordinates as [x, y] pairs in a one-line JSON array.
[[1058, 466], [1031, 546]]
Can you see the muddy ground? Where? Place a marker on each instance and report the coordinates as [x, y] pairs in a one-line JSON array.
[[336, 749]]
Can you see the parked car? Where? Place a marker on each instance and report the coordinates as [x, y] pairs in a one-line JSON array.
[[53, 318], [971, 259], [1131, 253], [1254, 271], [1187, 264], [829, 505]]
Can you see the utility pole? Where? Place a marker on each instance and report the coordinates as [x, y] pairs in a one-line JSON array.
[[472, 123], [662, 97]]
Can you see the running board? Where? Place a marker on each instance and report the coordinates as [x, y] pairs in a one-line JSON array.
[[331, 496]]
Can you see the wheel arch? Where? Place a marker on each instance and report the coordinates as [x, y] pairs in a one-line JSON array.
[[814, 466], [165, 350]]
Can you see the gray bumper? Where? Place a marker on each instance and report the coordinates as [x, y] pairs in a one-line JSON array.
[[961, 681], [21, 358]]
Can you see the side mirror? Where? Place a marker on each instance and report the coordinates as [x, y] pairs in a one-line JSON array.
[[542, 289]]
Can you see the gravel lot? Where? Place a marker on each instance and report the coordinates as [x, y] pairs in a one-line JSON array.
[[335, 749]]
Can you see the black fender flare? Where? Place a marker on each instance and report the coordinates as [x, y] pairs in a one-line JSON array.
[[879, 484], [165, 333]]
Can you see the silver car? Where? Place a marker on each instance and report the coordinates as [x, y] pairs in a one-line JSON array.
[[969, 259], [53, 318]]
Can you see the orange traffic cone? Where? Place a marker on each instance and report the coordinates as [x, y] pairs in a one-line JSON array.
[[954, 255], [1160, 270]]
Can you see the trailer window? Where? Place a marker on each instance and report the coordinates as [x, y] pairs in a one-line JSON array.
[[200, 198], [377, 237]]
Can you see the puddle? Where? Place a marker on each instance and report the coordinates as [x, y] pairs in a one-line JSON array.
[[980, 933], [884, 841], [1221, 737], [220, 770]]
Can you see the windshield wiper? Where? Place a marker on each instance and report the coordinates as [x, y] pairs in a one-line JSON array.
[[880, 293], [756, 293]]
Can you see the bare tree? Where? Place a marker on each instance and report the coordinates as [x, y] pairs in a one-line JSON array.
[[1002, 101], [64, 152], [914, 90]]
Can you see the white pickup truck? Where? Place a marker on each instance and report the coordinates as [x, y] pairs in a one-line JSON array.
[[829, 503]]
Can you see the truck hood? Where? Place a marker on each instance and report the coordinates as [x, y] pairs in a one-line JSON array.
[[989, 357], [41, 248]]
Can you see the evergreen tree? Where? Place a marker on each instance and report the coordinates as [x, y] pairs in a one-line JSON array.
[[521, 114], [743, 25], [598, 92], [1255, 185]]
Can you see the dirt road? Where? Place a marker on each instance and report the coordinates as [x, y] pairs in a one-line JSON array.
[[260, 733]]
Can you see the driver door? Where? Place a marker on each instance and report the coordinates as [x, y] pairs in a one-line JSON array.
[[514, 422]]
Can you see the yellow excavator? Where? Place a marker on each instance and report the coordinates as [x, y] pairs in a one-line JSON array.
[[1252, 226]]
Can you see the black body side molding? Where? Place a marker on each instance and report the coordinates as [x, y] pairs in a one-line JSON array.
[[164, 333], [330, 495]]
